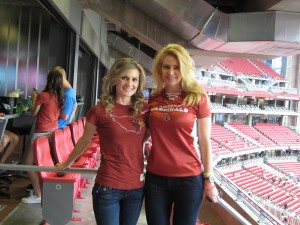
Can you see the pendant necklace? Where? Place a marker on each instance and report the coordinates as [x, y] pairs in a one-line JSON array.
[[172, 96]]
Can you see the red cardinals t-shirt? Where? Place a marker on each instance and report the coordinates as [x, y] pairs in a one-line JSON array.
[[171, 124], [121, 145]]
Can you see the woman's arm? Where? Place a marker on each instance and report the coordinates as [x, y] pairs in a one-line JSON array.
[[80, 146], [63, 116], [35, 110], [204, 131]]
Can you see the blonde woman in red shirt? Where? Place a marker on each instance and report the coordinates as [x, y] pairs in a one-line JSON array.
[[178, 175]]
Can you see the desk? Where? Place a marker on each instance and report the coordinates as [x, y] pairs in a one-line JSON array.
[[19, 120]]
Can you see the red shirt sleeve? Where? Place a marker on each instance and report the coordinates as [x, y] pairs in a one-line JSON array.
[[204, 107]]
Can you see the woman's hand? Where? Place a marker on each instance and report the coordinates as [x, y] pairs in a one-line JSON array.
[[210, 192], [60, 166]]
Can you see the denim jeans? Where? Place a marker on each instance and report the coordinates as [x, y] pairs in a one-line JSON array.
[[116, 207], [162, 192]]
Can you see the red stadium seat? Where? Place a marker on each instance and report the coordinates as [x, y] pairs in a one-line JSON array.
[[54, 185], [90, 153], [61, 152]]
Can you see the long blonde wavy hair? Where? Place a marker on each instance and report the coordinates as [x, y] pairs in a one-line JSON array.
[[110, 80], [189, 83]]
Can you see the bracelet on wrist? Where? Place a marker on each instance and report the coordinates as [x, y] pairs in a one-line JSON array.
[[206, 174]]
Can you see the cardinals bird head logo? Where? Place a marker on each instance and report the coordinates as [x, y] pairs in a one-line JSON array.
[[166, 116]]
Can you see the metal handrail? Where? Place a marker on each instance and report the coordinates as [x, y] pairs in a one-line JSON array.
[[47, 169], [233, 212]]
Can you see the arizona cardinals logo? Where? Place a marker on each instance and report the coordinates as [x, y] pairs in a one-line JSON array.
[[166, 116], [129, 123]]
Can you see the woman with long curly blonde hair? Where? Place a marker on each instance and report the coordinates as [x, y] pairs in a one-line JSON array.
[[178, 175], [111, 79], [118, 190]]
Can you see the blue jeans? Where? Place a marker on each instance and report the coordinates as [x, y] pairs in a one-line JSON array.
[[162, 192], [116, 207]]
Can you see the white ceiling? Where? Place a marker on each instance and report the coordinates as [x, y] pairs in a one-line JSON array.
[[261, 29]]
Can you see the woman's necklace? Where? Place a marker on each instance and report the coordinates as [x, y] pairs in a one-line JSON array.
[[172, 96]]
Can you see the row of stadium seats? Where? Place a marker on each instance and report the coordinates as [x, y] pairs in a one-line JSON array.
[[229, 140], [265, 68], [270, 186], [249, 67], [242, 107], [252, 133], [241, 65], [63, 141], [292, 167], [277, 109], [226, 141], [280, 135], [215, 105]]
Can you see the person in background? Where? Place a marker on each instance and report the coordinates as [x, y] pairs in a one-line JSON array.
[[47, 108], [177, 174], [118, 119], [68, 112], [7, 145]]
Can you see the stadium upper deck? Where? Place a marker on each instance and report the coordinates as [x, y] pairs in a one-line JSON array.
[[244, 84], [39, 34]]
